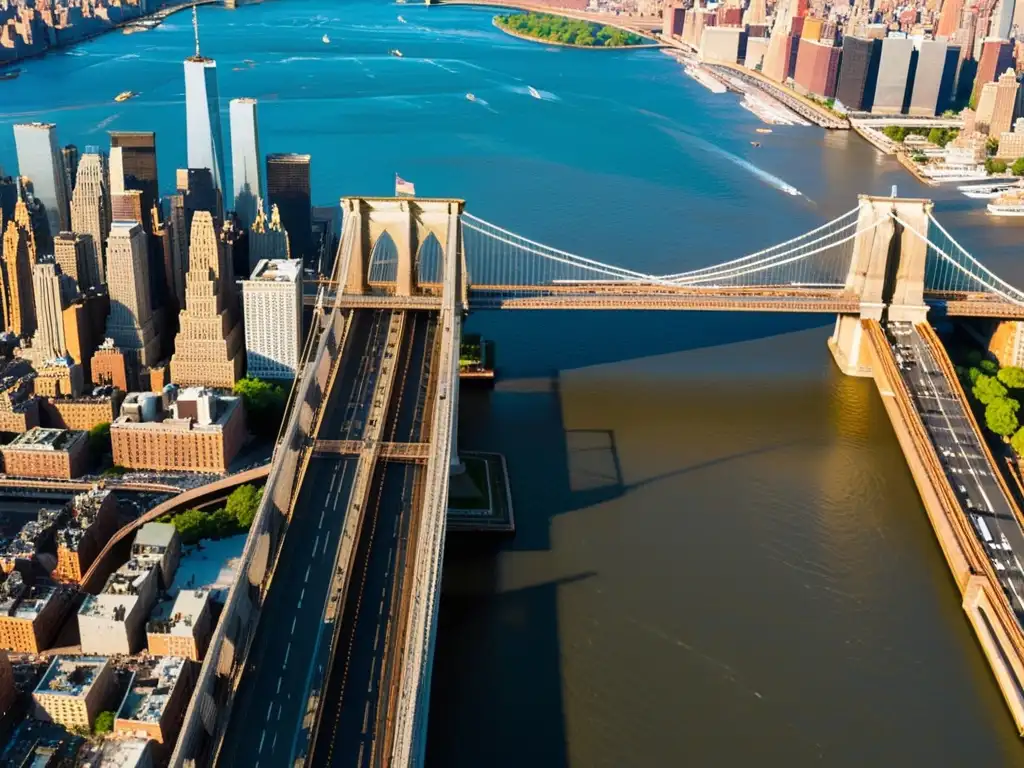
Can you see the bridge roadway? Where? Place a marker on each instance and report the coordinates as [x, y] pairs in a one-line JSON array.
[[354, 715], [270, 705]]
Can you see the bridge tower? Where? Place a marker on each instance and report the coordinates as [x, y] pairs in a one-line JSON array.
[[410, 223], [887, 271]]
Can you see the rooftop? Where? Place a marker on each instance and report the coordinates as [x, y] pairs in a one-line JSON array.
[[123, 753], [44, 439], [72, 675], [179, 616], [154, 535], [151, 689], [226, 405], [21, 601], [277, 271], [130, 577], [113, 607]]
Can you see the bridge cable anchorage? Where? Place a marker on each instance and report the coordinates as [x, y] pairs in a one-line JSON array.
[[941, 274], [766, 251], [831, 274]]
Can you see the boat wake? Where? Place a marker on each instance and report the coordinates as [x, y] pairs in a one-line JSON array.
[[441, 66], [293, 59], [536, 94], [768, 178]]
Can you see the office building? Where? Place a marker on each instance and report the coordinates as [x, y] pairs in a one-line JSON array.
[[30, 552], [8, 688], [84, 328], [9, 197], [30, 218], [934, 78], [17, 300], [157, 695], [93, 522], [59, 377], [1004, 104], [858, 75], [996, 57], [724, 45], [19, 408], [138, 168], [130, 323], [160, 545], [267, 239], [114, 621], [75, 689], [208, 348], [90, 215], [288, 189], [127, 206], [247, 180], [986, 108], [51, 454], [756, 13], [895, 76], [69, 158], [181, 626], [40, 160], [202, 433], [115, 171], [202, 114], [31, 614], [817, 69], [776, 58], [71, 252], [53, 292], [1011, 146], [272, 298]]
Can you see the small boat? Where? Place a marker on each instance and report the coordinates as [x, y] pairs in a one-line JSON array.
[[125, 95], [10, 74], [762, 130], [401, 19], [533, 92], [755, 143], [395, 52], [470, 97], [250, 62], [326, 40]]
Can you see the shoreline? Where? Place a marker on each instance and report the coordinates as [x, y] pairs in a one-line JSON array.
[[611, 21], [512, 33]]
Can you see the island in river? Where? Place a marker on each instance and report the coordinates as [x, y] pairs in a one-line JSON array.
[[560, 30]]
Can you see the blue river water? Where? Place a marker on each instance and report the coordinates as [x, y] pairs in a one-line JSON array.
[[721, 556]]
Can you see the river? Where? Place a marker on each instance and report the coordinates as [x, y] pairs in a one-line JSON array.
[[722, 558]]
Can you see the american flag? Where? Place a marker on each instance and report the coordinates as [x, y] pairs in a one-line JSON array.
[[404, 188]]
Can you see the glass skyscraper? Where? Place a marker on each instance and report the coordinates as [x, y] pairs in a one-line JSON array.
[[288, 189], [202, 115], [246, 176], [41, 161]]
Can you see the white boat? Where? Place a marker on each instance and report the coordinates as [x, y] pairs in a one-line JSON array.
[[470, 97], [533, 92], [1010, 203], [326, 39], [713, 84], [401, 19], [395, 52], [987, 191]]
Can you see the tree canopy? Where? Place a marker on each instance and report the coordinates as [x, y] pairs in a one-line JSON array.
[[559, 29], [994, 165], [104, 722], [1017, 169], [1001, 416], [99, 440], [989, 367], [1017, 441], [986, 389], [243, 503], [237, 515], [1011, 377], [264, 404]]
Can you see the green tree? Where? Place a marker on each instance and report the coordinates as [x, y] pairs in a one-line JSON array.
[[937, 136], [974, 357], [243, 504], [973, 374], [104, 722], [1001, 416], [99, 440], [992, 145], [989, 367], [1011, 377], [992, 165], [192, 525], [986, 389], [264, 404], [1017, 442], [220, 523], [1017, 169]]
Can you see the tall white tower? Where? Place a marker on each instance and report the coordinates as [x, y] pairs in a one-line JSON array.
[[202, 113], [246, 174]]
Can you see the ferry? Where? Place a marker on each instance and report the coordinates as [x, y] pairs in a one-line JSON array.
[[395, 52], [326, 40], [987, 191], [125, 95], [762, 130], [1010, 203], [470, 97], [10, 74], [713, 84], [533, 92]]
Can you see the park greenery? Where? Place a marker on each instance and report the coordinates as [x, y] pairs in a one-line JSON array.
[[264, 404], [234, 517], [104, 722], [996, 395], [559, 29], [940, 137]]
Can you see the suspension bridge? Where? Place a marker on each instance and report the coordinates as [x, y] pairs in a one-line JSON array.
[[376, 404]]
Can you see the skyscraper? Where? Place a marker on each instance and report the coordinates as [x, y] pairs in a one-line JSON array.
[[40, 159], [247, 181], [949, 18], [895, 76], [1004, 104], [69, 156], [208, 349], [53, 294], [996, 57], [776, 58], [138, 166], [858, 74], [1002, 19], [90, 215], [288, 189], [267, 240], [18, 304], [273, 319], [756, 13], [202, 113], [72, 251], [115, 171], [934, 77], [130, 323]]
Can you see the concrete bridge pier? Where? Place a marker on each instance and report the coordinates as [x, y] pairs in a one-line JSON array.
[[887, 271]]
